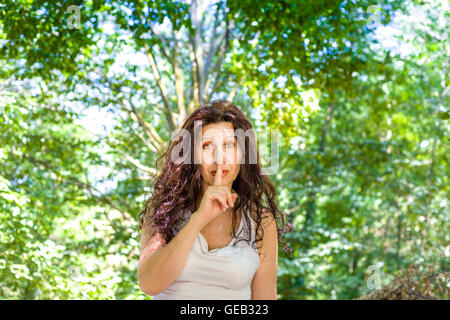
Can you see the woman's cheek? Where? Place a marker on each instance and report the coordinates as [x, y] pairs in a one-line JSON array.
[[236, 171], [206, 159]]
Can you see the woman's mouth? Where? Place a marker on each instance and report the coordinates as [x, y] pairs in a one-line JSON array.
[[224, 173]]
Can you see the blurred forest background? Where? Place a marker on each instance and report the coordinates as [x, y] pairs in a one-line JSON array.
[[91, 91]]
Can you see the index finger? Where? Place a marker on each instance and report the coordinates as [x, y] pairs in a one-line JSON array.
[[218, 176]]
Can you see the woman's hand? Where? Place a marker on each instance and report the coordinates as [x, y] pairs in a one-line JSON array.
[[216, 199]]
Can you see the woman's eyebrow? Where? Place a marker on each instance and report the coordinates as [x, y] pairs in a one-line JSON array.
[[227, 137]]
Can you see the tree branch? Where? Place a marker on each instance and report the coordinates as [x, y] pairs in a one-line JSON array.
[[161, 87], [212, 45], [162, 45], [195, 84], [179, 84], [197, 48], [218, 65], [148, 129], [138, 164], [233, 91], [289, 211]]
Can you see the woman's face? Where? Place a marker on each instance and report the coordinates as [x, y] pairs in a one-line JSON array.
[[219, 145]]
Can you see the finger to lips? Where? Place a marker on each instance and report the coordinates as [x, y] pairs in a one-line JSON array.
[[227, 197], [224, 197], [218, 177], [220, 198], [225, 202], [230, 199]]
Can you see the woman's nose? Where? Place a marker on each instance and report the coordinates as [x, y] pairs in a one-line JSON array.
[[219, 155]]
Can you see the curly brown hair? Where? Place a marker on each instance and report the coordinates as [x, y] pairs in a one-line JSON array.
[[178, 184]]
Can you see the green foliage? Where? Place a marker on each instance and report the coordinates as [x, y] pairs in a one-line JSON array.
[[417, 283], [364, 134]]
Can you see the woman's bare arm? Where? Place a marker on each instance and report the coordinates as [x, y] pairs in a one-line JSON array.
[[264, 283], [160, 264]]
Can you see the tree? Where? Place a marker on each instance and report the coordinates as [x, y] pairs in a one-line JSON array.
[[350, 113]]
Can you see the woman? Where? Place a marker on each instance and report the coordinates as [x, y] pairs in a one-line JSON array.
[[199, 205]]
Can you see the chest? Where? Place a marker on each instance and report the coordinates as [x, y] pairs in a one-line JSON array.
[[218, 233], [229, 268]]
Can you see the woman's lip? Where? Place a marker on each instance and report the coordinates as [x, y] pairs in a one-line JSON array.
[[224, 172]]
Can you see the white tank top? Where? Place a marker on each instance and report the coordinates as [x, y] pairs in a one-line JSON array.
[[219, 274]]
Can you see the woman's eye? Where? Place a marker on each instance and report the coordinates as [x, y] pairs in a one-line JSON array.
[[210, 145]]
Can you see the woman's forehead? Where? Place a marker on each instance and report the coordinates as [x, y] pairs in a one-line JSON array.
[[217, 130]]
